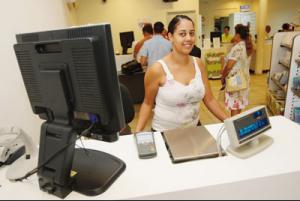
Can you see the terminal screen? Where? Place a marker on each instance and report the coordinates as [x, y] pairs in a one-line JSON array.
[[252, 124]]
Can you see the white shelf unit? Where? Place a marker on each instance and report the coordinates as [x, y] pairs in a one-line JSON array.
[[293, 98], [277, 93]]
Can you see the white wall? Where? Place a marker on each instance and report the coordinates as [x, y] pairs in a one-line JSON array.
[[124, 15], [279, 11], [19, 16], [283, 11], [211, 9]]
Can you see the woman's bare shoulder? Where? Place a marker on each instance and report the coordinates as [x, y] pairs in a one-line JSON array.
[[155, 72], [200, 63]]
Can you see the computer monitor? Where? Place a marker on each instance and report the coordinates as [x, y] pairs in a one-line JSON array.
[[127, 39], [246, 132], [215, 35], [71, 80]]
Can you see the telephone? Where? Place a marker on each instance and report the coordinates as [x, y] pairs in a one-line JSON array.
[[18, 151], [11, 147], [145, 144]]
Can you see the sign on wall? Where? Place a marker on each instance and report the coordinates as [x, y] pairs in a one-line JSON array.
[[245, 8]]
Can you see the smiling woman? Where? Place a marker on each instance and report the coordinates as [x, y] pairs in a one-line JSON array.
[[177, 84]]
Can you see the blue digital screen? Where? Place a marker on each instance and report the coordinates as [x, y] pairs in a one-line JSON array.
[[257, 114], [254, 127]]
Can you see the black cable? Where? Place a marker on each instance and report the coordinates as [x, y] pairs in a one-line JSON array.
[[32, 172], [83, 147]]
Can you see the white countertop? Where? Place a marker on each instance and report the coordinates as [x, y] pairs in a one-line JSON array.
[[272, 174]]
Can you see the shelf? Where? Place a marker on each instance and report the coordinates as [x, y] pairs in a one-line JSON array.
[[284, 64], [274, 105], [296, 92], [278, 84], [286, 46]]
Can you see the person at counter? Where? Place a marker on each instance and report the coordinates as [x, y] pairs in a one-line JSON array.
[[268, 32], [177, 84], [238, 59], [147, 33], [165, 34], [226, 36], [155, 48], [285, 27]]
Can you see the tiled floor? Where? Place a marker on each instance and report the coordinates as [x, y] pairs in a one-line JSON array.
[[257, 97]]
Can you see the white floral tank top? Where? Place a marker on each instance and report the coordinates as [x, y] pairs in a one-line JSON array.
[[177, 105]]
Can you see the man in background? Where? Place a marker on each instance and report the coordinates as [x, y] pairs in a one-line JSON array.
[[155, 48], [268, 32], [226, 37], [285, 27], [147, 33]]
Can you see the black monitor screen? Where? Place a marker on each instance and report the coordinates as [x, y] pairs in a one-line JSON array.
[[215, 35], [126, 39]]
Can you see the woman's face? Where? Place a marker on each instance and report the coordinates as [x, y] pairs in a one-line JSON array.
[[237, 38], [183, 39]]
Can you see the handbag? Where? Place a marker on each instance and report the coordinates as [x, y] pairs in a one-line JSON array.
[[236, 81], [131, 67]]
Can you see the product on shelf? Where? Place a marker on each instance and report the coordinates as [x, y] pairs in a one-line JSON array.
[[286, 59], [279, 94], [284, 79], [297, 114], [277, 76], [276, 106], [288, 39], [281, 79], [296, 83]]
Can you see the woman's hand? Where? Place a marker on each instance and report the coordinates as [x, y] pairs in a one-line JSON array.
[[223, 80]]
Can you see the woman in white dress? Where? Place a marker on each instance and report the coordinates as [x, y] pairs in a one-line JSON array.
[[238, 58], [177, 84]]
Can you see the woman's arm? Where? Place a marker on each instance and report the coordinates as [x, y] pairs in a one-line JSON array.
[[209, 100], [230, 64], [152, 81], [137, 48], [234, 55], [144, 60]]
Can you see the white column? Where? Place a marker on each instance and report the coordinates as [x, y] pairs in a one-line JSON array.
[[262, 22]]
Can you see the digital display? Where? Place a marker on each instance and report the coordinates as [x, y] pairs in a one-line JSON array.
[[248, 126], [253, 127], [257, 114], [145, 137]]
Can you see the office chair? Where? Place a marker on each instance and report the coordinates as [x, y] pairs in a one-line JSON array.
[[128, 109]]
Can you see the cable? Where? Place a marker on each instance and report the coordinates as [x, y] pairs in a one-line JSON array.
[[32, 172], [219, 140], [83, 147]]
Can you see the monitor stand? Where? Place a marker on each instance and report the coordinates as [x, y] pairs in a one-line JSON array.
[[251, 148], [95, 171], [125, 51]]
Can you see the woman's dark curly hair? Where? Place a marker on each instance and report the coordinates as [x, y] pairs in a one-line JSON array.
[[175, 21], [243, 31]]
